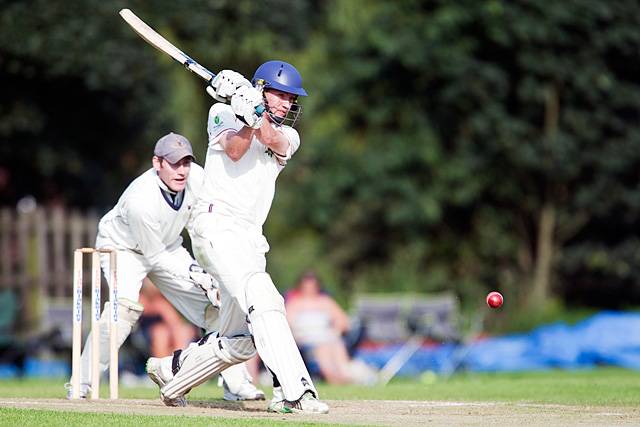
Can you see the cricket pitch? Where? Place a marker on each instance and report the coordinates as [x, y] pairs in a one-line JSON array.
[[363, 412]]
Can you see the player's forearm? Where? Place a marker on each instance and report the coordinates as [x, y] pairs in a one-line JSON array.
[[164, 261], [272, 138], [236, 144]]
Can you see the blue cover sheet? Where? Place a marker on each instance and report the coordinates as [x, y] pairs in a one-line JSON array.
[[608, 338]]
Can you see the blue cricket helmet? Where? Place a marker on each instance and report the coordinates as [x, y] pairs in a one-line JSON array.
[[281, 76]]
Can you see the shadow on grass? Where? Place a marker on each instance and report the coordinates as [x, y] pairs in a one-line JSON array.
[[245, 406]]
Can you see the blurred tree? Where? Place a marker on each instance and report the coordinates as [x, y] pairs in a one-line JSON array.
[[467, 144], [84, 98], [76, 100]]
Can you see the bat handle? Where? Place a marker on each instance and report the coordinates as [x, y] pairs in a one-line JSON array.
[[260, 86]]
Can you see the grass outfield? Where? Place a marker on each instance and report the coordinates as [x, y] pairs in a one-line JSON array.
[[604, 386], [600, 387], [34, 417]]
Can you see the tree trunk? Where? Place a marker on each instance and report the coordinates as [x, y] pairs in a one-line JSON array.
[[544, 255], [541, 285]]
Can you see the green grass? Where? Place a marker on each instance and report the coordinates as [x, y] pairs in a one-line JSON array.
[[604, 386], [26, 417]]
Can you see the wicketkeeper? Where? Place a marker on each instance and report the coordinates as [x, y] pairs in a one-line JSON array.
[[145, 228]]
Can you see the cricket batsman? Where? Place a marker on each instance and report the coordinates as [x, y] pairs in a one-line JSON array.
[[246, 153]]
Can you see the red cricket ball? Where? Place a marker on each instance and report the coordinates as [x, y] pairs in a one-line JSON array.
[[494, 299]]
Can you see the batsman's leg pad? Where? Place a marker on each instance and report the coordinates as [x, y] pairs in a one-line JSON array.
[[179, 356], [201, 362], [273, 338], [128, 314], [262, 295]]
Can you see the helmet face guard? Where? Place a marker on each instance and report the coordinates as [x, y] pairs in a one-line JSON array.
[[290, 118], [284, 77]]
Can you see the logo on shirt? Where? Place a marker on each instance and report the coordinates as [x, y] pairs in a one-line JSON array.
[[217, 120]]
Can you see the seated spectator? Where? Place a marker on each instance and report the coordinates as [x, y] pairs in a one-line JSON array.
[[318, 324], [165, 329]]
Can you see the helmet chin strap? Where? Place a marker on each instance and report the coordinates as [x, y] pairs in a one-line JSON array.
[[275, 119]]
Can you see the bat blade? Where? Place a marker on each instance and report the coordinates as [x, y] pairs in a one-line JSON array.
[[156, 40]]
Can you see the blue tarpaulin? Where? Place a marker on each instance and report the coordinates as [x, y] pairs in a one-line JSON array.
[[608, 338]]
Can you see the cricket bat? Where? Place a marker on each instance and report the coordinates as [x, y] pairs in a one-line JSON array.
[[156, 40], [159, 42]]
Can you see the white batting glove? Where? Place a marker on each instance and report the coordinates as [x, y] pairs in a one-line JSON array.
[[244, 102], [225, 83], [206, 282]]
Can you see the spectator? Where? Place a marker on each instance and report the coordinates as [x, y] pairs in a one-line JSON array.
[[318, 324]]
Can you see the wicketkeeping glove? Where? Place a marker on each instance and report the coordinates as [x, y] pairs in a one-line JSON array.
[[244, 102], [207, 283], [225, 83]]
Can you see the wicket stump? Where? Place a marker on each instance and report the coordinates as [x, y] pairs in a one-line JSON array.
[[96, 282]]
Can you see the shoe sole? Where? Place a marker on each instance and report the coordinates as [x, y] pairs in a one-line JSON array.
[[234, 398], [283, 410], [288, 410]]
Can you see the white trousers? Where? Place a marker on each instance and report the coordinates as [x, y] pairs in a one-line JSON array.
[[189, 299], [234, 253]]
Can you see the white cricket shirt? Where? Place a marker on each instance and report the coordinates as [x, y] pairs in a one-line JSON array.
[[242, 189], [146, 219]]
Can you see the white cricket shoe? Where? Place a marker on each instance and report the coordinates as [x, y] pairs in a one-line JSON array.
[[160, 373], [277, 400], [247, 392], [85, 390], [307, 404]]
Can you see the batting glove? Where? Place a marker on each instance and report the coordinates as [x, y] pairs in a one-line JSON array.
[[244, 102], [207, 283], [225, 83]]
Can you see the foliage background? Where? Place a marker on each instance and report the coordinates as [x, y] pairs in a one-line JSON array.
[[464, 146]]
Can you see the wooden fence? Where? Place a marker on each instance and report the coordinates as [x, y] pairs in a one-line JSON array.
[[36, 259]]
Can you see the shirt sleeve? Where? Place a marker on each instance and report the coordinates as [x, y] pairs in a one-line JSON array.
[[196, 179], [294, 143], [221, 119], [195, 184], [146, 232]]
